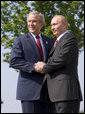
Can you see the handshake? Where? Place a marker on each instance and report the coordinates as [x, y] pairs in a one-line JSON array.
[[38, 67]]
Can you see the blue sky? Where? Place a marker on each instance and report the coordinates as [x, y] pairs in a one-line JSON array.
[[9, 84]]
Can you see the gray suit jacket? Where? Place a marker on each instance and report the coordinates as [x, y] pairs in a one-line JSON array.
[[61, 70]]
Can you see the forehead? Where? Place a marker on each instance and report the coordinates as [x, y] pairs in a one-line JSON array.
[[33, 16], [56, 20]]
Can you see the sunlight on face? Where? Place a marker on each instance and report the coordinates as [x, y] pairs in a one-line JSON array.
[[58, 26], [34, 25]]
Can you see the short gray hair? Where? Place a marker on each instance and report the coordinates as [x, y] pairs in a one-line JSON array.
[[41, 16]]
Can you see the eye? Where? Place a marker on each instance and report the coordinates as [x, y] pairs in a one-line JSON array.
[[54, 24], [34, 21]]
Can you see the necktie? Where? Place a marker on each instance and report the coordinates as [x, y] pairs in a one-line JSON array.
[[55, 43], [39, 47]]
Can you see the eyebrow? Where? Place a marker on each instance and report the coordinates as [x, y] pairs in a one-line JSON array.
[[53, 23]]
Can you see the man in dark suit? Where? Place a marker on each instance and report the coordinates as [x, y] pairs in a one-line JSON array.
[[61, 69], [24, 55]]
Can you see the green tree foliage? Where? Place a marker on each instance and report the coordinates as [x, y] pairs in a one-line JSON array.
[[13, 23], [14, 13], [72, 10]]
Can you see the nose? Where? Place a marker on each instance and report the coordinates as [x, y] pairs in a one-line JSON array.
[[31, 22]]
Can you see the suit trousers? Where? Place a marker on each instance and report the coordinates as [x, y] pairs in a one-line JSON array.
[[43, 105], [67, 107], [36, 107]]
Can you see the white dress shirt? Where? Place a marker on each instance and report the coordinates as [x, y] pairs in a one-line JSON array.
[[62, 35], [41, 41]]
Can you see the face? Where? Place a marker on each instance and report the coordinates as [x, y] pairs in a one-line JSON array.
[[57, 26], [34, 25]]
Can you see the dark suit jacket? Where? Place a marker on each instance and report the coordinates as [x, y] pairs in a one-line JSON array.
[[23, 56], [61, 70]]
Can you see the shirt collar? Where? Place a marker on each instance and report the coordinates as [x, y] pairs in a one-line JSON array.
[[34, 35], [62, 35]]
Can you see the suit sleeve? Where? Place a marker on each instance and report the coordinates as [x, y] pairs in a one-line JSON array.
[[17, 60], [67, 52]]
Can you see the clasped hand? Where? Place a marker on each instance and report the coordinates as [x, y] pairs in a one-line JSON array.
[[39, 67]]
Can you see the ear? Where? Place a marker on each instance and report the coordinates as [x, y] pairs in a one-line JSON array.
[[64, 26], [42, 24]]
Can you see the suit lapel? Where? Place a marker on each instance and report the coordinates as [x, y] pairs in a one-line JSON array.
[[45, 43], [33, 43], [53, 49]]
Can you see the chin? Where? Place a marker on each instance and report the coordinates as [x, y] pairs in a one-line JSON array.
[[55, 34], [32, 31]]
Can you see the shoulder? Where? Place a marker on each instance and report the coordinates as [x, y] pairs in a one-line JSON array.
[[70, 36], [46, 37], [49, 39], [21, 38], [69, 39]]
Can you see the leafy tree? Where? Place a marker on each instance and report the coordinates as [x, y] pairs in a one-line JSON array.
[[72, 10], [13, 23], [14, 13]]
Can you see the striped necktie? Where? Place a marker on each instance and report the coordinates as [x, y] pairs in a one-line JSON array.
[[55, 43]]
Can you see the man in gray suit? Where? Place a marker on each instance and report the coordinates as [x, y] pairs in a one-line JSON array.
[[61, 69]]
